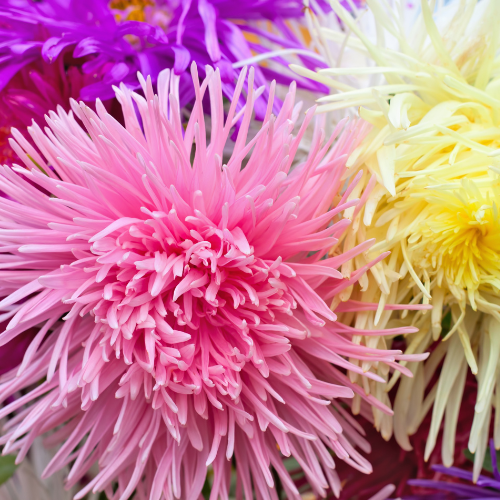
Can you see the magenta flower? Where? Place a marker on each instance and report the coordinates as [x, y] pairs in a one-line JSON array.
[[181, 320], [34, 90]]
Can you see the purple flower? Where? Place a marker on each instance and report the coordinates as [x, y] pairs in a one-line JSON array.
[[37, 69], [46, 29], [51, 50], [113, 45], [485, 487]]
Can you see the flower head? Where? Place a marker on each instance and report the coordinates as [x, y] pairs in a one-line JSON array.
[[457, 240], [433, 148], [194, 324]]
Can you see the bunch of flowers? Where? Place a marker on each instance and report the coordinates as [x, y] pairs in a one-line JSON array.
[[433, 149], [200, 283]]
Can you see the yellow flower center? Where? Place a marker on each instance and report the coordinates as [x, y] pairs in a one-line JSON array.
[[130, 10], [154, 12], [459, 239]]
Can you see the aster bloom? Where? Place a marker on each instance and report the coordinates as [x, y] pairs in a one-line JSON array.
[[33, 80], [194, 324], [433, 149], [34, 31]]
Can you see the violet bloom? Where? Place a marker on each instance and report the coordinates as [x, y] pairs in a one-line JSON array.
[[47, 29], [112, 48], [485, 487], [181, 320]]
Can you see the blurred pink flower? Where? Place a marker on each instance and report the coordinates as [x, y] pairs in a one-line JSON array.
[[183, 317]]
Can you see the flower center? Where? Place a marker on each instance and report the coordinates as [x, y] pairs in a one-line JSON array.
[[149, 11], [169, 301], [130, 10], [460, 239]]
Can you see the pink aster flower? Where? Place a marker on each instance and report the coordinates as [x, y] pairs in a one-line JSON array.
[[181, 322]]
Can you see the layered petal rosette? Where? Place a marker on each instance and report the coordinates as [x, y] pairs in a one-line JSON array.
[[181, 296]]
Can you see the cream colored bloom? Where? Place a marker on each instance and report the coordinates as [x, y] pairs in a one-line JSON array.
[[435, 151]]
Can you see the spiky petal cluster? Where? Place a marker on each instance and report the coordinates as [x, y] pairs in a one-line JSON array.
[[434, 150], [194, 326]]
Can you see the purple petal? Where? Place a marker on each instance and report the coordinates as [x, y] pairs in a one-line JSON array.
[[54, 46], [209, 17], [117, 73], [264, 9], [95, 65], [181, 55], [453, 471], [86, 47], [186, 5], [186, 89], [142, 30], [99, 90], [233, 41], [461, 489], [151, 63], [227, 72], [26, 48]]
